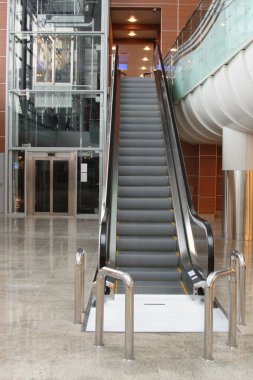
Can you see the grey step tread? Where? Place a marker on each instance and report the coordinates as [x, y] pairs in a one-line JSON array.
[[137, 79], [169, 289], [155, 115], [139, 108], [138, 100], [156, 274], [142, 161], [139, 143], [140, 120], [126, 85], [157, 135], [145, 203], [143, 152], [148, 216], [146, 229], [144, 191], [143, 170], [134, 127], [143, 243], [141, 259], [143, 180]]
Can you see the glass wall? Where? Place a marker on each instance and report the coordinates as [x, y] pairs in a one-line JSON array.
[[57, 85], [56, 119]]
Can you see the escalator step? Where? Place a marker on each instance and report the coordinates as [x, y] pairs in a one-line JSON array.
[[143, 171], [147, 143], [141, 120], [150, 274], [145, 135], [143, 152], [148, 161], [160, 243], [140, 108], [134, 127], [145, 203], [148, 216], [146, 229], [144, 191], [143, 181], [147, 260]]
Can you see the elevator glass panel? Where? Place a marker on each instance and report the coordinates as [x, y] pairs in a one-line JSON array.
[[42, 186], [60, 186]]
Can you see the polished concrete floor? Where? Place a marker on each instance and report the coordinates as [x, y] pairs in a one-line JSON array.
[[38, 339]]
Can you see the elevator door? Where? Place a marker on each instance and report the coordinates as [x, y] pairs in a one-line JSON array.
[[51, 180]]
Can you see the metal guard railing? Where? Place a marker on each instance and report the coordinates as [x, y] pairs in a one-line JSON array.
[[202, 254]]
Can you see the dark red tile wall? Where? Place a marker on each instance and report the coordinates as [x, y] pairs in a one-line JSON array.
[[204, 170]]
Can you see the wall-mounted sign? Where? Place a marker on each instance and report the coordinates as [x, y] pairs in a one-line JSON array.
[[84, 171]]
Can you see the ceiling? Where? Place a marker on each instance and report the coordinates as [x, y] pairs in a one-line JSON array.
[[131, 48]]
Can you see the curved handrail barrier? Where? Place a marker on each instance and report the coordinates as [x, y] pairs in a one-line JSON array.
[[196, 238], [79, 285], [108, 171], [239, 265], [129, 309], [209, 300], [216, 31]]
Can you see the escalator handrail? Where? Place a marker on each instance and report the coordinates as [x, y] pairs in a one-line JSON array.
[[204, 224], [107, 191]]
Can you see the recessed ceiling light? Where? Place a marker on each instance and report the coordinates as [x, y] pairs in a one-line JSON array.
[[114, 48], [174, 49], [141, 75], [132, 19], [143, 68], [145, 59], [132, 34], [147, 48]]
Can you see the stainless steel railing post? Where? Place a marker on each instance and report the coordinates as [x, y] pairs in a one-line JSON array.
[[99, 331], [239, 265], [209, 299], [79, 285], [129, 309]]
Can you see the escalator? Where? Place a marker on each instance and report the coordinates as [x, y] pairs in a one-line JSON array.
[[146, 243], [149, 227]]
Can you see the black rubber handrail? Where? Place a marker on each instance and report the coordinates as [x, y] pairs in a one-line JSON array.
[[192, 213], [105, 223]]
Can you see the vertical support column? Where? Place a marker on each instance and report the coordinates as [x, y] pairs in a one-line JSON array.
[[237, 165]]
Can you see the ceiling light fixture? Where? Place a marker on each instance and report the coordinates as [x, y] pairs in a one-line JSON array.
[[147, 48], [132, 19], [145, 59], [114, 48], [132, 34], [174, 49], [143, 68]]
